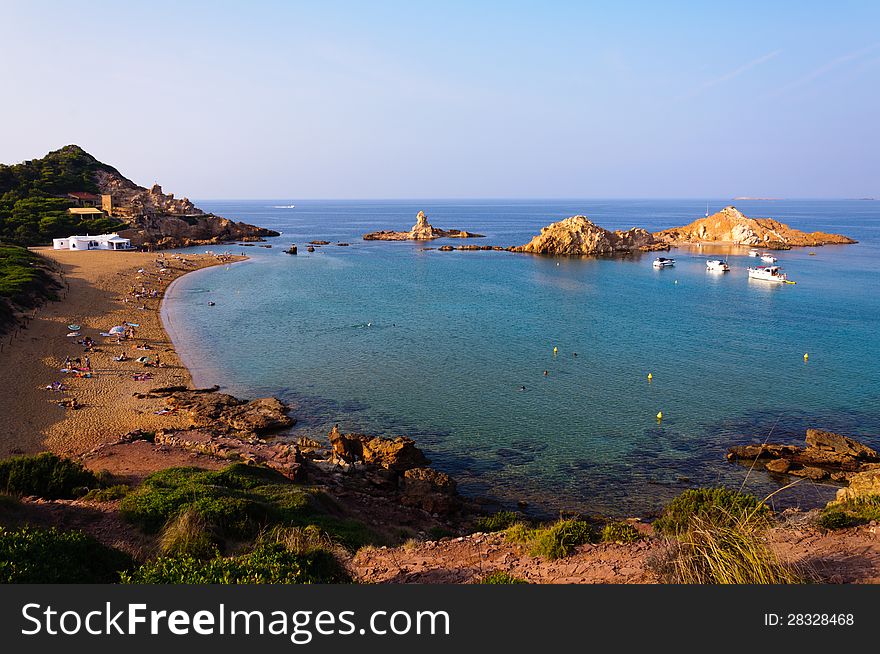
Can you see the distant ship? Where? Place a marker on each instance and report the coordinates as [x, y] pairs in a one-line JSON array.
[[284, 206]]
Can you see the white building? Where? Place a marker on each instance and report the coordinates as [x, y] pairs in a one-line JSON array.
[[100, 242]]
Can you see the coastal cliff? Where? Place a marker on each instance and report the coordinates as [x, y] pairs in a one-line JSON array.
[[69, 191], [730, 225], [579, 236], [421, 231]]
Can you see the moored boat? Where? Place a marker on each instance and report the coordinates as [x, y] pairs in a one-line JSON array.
[[717, 265], [754, 253], [663, 262], [768, 274], [768, 258]]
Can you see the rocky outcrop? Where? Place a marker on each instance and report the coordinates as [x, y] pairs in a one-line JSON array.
[[730, 225], [160, 220], [421, 231], [214, 409], [429, 490], [578, 236], [396, 463], [827, 455], [861, 484], [283, 457], [398, 454]]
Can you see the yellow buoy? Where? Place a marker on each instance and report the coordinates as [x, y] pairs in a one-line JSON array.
[[555, 350], [659, 415], [650, 376], [806, 356]]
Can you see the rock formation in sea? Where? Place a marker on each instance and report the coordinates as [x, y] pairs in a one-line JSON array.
[[421, 231], [827, 455], [579, 236], [730, 225]]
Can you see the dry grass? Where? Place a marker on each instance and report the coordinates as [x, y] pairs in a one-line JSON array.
[[189, 534], [725, 552]]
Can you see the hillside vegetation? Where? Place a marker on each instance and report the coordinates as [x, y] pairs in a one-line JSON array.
[[33, 202]]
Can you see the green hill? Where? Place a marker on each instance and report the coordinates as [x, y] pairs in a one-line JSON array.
[[33, 202]]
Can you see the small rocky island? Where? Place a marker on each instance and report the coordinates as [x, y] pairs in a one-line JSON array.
[[730, 225], [578, 236], [421, 231]]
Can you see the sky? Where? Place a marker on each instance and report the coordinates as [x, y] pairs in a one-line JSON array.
[[416, 99]]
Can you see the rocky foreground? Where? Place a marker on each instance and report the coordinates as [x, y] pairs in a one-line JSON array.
[[421, 231], [730, 225]]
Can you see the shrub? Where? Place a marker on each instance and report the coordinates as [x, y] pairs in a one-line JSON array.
[[31, 555], [45, 475], [850, 513], [501, 577], [620, 532], [165, 493], [188, 534], [239, 500], [733, 552], [299, 540], [497, 521], [109, 494], [266, 564], [554, 541], [719, 505]]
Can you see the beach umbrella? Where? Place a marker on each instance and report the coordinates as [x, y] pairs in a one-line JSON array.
[[73, 327], [118, 329]]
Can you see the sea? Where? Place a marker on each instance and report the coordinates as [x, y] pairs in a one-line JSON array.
[[527, 377]]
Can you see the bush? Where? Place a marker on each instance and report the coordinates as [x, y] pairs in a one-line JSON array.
[[554, 541], [620, 532], [30, 555], [239, 500], [45, 475], [719, 505], [733, 552], [266, 564], [188, 534], [500, 577], [850, 513], [299, 540], [109, 494], [166, 493], [497, 521]]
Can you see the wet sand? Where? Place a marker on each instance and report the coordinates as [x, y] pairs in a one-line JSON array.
[[97, 297]]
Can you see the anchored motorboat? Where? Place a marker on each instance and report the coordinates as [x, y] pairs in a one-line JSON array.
[[717, 265], [663, 262], [769, 274], [754, 253], [768, 258]]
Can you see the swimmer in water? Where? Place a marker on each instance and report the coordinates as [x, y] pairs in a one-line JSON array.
[[546, 373], [522, 388]]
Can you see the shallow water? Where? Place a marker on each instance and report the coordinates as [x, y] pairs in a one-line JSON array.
[[390, 338]]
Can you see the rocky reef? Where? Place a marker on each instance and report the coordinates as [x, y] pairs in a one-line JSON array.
[[730, 225], [827, 456], [421, 231], [579, 236]]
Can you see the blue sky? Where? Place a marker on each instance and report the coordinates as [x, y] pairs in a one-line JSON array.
[[452, 99]]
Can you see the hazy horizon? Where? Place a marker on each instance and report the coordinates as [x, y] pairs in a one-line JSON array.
[[412, 100]]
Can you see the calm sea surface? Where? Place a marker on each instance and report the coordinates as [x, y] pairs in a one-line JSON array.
[[390, 338]]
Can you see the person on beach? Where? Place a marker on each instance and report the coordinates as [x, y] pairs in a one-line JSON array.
[[87, 363], [67, 362]]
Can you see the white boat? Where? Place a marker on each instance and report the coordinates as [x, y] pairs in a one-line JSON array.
[[768, 258], [717, 265], [754, 253], [663, 262], [768, 274]]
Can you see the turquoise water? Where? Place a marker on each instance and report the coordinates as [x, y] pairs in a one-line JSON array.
[[389, 338]]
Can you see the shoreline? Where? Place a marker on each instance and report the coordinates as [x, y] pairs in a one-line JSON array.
[[97, 299]]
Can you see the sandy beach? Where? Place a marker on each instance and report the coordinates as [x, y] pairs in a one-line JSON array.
[[102, 289]]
